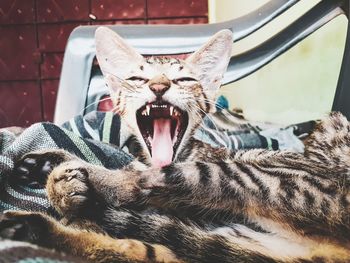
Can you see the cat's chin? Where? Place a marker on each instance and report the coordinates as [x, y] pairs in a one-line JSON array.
[[162, 126]]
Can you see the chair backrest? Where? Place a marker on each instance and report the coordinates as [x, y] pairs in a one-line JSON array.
[[81, 83]]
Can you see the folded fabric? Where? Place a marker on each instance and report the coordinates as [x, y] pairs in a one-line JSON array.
[[230, 130]]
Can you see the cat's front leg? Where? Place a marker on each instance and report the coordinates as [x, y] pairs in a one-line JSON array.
[[42, 230], [79, 189]]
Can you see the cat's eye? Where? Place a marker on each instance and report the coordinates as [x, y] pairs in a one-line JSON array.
[[183, 80], [137, 79]]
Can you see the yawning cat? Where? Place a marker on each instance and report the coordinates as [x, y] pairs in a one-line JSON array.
[[182, 200]]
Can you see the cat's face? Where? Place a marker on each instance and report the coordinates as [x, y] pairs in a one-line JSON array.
[[162, 100]]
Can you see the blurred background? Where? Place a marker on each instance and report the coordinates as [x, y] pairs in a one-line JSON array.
[[297, 86]]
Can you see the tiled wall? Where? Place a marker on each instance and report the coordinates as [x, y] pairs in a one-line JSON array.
[[34, 34]]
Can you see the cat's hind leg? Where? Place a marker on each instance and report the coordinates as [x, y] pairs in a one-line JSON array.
[[42, 230], [329, 143]]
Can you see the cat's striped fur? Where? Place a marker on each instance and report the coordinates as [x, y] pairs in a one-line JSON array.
[[209, 205]]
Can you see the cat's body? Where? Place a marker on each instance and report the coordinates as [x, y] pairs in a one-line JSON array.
[[195, 203]]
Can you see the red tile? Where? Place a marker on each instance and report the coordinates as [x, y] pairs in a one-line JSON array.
[[179, 8], [20, 103], [18, 53], [63, 10], [120, 22], [54, 37], [118, 9], [16, 11], [49, 88], [187, 20], [51, 65]]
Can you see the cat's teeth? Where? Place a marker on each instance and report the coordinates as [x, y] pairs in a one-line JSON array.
[[144, 112], [171, 110], [148, 109]]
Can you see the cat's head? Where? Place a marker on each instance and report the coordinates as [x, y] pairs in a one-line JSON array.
[[162, 100]]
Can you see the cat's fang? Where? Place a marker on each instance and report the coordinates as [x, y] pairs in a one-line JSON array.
[[162, 127]]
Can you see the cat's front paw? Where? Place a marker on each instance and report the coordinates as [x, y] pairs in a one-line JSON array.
[[68, 189], [23, 226], [34, 167]]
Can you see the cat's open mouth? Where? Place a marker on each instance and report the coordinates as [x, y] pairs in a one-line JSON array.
[[162, 126]]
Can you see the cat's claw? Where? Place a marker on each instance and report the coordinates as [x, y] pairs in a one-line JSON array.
[[68, 189]]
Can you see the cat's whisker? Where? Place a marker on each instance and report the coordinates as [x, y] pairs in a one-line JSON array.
[[116, 110], [96, 102], [134, 97], [211, 102], [197, 112], [124, 83], [189, 109], [207, 115], [113, 110], [130, 88]]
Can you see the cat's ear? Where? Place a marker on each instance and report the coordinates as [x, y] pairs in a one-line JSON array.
[[115, 56], [211, 60]]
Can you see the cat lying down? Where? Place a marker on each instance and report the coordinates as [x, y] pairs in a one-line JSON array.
[[182, 200]]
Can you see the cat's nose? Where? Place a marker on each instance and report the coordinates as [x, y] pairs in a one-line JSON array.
[[159, 89], [159, 85]]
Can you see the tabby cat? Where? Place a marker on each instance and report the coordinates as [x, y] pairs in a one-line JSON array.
[[181, 200]]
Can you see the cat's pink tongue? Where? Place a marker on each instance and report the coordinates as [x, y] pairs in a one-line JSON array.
[[162, 145]]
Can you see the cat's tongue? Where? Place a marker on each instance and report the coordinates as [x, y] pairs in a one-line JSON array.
[[162, 145]]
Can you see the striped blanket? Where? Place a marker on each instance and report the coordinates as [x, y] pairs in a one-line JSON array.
[[87, 142], [95, 138]]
